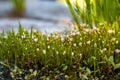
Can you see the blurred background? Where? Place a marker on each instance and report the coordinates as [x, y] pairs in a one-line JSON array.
[[44, 15]]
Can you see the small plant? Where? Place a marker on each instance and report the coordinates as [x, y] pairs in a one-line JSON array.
[[18, 7], [112, 62]]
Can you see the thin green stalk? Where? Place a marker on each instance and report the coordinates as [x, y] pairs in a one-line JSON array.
[[75, 17]]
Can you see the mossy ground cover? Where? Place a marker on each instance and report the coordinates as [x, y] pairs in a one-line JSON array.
[[89, 54]]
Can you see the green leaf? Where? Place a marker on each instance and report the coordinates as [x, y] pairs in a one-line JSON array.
[[93, 57], [88, 71], [84, 77], [31, 70], [111, 60], [65, 68], [116, 66]]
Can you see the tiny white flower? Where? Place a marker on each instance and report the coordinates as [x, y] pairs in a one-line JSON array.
[[73, 33], [37, 49], [35, 39], [80, 43], [117, 50], [81, 39], [117, 42], [5, 36], [103, 42], [57, 37], [110, 31], [72, 53], [47, 39], [23, 36], [101, 23], [48, 47], [74, 44], [34, 30], [64, 52], [95, 28], [99, 39], [62, 39], [12, 75], [95, 45], [54, 36], [87, 30], [101, 51], [67, 36], [71, 39], [83, 24], [57, 52], [104, 49], [80, 55], [88, 42], [113, 39], [78, 33], [26, 48], [44, 51]]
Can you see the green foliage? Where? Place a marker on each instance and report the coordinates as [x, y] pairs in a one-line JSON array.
[[111, 61], [86, 54], [75, 17], [95, 11]]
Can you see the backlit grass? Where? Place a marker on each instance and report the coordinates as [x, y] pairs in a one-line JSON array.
[[94, 12]]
